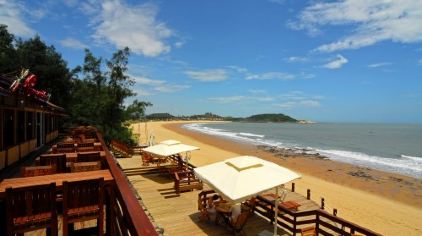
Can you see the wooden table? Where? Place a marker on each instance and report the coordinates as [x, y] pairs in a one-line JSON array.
[[57, 178], [291, 205], [71, 156], [97, 147]]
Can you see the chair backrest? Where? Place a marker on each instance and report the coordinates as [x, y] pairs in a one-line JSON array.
[[30, 171], [88, 156], [30, 201], [84, 147], [65, 147], [56, 160], [85, 166], [240, 221], [83, 193]]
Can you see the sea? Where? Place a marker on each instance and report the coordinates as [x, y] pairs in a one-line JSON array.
[[389, 147]]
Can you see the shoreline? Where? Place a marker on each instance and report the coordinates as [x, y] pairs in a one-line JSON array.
[[362, 201], [408, 189]]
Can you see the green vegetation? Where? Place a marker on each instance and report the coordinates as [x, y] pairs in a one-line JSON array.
[[270, 118], [91, 96], [211, 116]]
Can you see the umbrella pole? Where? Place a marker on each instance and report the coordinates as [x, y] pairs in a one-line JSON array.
[[275, 211]]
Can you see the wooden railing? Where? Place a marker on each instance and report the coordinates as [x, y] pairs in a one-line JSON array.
[[324, 222], [127, 217]]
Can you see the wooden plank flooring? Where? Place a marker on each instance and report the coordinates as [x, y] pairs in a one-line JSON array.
[[178, 214]]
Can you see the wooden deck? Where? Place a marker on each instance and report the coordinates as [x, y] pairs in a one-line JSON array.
[[178, 214]]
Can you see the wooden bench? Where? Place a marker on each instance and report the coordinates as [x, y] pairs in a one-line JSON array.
[[186, 181], [124, 150]]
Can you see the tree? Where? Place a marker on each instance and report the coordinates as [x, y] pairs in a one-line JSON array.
[[49, 67], [42, 60], [7, 52], [99, 97], [136, 110]]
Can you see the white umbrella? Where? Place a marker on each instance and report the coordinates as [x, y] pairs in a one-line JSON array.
[[169, 147], [240, 178]]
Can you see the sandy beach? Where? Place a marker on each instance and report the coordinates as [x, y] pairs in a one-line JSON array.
[[387, 203]]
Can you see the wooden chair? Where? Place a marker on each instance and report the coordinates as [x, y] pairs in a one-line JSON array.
[[31, 208], [83, 200], [30, 171], [205, 203], [85, 147], [237, 226], [186, 181], [58, 161], [88, 156], [65, 148], [308, 231], [85, 166]]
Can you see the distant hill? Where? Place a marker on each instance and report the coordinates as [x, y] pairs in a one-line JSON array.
[[265, 118], [206, 116], [160, 116], [210, 116]]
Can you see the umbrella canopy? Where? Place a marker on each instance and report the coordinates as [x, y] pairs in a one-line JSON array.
[[169, 148], [240, 178]]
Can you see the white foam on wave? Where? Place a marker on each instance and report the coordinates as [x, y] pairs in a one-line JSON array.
[[408, 165], [417, 159], [252, 135], [256, 139], [398, 165]]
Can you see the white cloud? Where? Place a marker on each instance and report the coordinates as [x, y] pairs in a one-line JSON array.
[[238, 69], [371, 22], [230, 99], [171, 88], [73, 43], [380, 64], [271, 75], [298, 104], [289, 100], [11, 15], [71, 3], [296, 59], [179, 44], [136, 27], [337, 63], [208, 75], [244, 72], [162, 86]]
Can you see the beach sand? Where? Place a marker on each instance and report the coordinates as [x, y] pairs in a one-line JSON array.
[[387, 203]]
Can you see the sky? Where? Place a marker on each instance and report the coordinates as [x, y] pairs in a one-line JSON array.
[[327, 61]]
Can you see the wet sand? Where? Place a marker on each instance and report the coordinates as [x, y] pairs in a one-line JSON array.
[[387, 203]]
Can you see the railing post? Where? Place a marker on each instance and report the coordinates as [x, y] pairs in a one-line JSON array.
[[308, 194], [322, 203], [317, 223], [293, 187], [335, 212]]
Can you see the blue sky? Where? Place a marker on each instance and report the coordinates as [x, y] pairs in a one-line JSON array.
[[342, 61]]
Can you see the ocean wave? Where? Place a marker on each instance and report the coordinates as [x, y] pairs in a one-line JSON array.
[[408, 165], [252, 135], [417, 159], [398, 165], [256, 139]]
